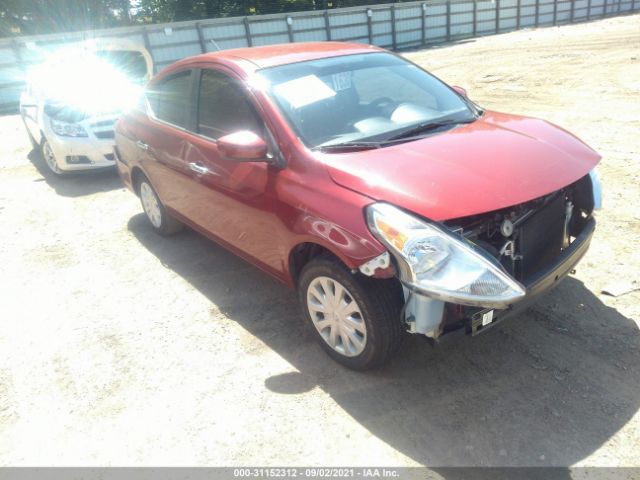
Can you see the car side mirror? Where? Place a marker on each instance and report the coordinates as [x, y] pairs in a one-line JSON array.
[[243, 146], [460, 90]]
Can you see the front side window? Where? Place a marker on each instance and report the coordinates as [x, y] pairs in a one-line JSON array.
[[357, 98], [169, 99], [223, 106]]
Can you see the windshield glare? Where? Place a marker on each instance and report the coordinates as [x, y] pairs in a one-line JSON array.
[[130, 63], [356, 98]]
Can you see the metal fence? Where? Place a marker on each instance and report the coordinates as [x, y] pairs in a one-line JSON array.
[[395, 26]]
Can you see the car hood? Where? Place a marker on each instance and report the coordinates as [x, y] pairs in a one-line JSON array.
[[495, 162]]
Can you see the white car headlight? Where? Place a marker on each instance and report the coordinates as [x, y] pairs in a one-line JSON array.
[[438, 264], [67, 129]]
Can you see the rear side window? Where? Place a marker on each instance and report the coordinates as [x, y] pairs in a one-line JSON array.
[[223, 107], [170, 99]]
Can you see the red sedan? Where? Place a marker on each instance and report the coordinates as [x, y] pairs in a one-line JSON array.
[[389, 200]]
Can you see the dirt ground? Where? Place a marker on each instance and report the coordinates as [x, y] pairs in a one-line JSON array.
[[119, 347]]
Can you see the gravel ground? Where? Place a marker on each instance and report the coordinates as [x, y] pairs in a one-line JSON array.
[[122, 348]]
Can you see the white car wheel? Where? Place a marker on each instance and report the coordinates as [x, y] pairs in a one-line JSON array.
[[356, 319], [161, 221], [336, 316], [151, 204], [50, 158]]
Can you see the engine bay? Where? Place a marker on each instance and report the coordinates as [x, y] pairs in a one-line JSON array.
[[528, 237]]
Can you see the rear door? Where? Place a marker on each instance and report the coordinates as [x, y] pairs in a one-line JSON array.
[[162, 139]]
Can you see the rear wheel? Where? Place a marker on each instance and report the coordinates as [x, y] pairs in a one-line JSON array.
[[161, 221], [50, 158], [355, 318]]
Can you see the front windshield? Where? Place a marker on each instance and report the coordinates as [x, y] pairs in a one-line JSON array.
[[369, 97]]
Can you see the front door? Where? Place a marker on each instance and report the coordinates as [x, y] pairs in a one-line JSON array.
[[236, 201]]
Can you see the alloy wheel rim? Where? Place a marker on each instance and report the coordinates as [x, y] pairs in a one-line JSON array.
[[337, 316], [50, 158], [150, 205]]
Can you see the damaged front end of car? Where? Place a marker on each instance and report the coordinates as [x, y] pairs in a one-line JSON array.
[[469, 273]]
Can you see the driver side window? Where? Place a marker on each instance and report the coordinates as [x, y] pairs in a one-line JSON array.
[[223, 107]]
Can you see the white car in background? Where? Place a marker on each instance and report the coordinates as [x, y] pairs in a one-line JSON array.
[[73, 99]]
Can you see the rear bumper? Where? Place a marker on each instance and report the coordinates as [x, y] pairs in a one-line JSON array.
[[540, 283]]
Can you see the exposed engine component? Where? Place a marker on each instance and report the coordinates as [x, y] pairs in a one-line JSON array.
[[526, 238], [506, 228], [509, 250], [567, 219]]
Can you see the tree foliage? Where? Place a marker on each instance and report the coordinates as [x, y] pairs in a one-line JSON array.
[[30, 17], [27, 17]]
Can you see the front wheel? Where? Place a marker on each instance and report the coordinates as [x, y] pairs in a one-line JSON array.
[[163, 223], [355, 318], [50, 158]]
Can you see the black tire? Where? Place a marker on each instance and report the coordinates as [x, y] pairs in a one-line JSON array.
[[163, 224], [380, 302]]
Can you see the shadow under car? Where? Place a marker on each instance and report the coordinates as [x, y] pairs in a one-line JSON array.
[[546, 388], [76, 184]]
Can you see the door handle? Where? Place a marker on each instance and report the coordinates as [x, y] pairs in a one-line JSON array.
[[199, 169], [142, 145]]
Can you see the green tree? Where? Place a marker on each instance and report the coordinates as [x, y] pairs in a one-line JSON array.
[[157, 11], [28, 17]]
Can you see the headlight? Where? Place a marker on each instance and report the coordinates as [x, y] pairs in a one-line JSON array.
[[68, 129], [438, 264], [596, 188]]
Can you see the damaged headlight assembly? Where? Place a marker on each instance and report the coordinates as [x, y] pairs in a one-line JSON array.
[[435, 263]]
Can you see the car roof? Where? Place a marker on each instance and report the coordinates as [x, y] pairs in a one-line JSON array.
[[253, 58]]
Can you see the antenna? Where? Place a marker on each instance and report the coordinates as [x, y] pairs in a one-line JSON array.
[[215, 44]]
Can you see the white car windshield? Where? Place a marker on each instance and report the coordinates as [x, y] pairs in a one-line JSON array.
[[372, 97], [77, 82]]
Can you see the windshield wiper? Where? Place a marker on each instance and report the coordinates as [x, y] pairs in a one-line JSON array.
[[411, 132], [348, 146], [425, 127]]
